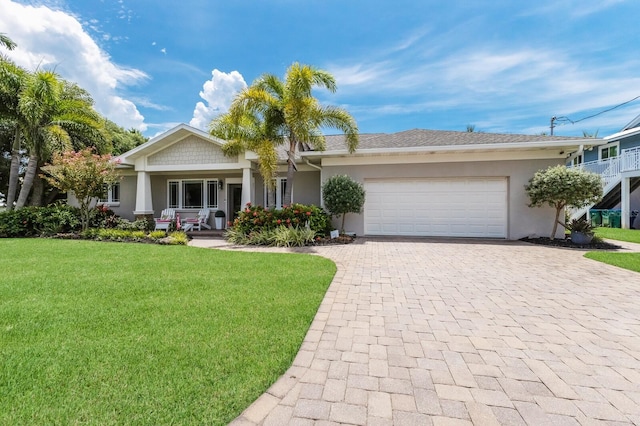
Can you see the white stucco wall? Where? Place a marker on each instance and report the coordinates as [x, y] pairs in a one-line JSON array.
[[523, 221]]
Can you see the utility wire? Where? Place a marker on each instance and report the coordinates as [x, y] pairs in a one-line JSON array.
[[565, 120]]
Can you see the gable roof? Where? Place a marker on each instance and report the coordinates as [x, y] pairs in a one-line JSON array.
[[632, 124], [164, 140], [420, 140]]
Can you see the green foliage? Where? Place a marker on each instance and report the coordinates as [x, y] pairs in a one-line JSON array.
[[178, 238], [256, 225], [132, 235], [156, 235], [83, 172], [343, 195], [288, 236], [580, 225], [274, 111], [281, 236], [122, 140], [39, 221], [560, 187]]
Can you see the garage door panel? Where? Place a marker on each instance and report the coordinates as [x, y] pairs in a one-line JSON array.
[[437, 207]]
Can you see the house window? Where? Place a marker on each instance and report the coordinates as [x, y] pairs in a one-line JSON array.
[[609, 151], [192, 194], [212, 194], [281, 187], [174, 195], [112, 195], [577, 160]]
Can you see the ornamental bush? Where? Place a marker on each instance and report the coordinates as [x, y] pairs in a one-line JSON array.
[[343, 195], [255, 224], [560, 187], [39, 221]]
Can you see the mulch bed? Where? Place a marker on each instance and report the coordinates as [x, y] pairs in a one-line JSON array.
[[567, 243], [342, 239]]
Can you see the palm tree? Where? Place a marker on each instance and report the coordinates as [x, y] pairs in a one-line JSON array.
[[12, 81], [272, 112], [54, 115], [6, 42]]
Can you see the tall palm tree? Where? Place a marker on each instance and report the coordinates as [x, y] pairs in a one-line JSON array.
[[12, 81], [6, 42], [284, 112], [52, 115]]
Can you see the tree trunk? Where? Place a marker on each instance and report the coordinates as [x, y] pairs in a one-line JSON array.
[[342, 226], [14, 171], [556, 222], [29, 176], [38, 190], [271, 196], [290, 171]]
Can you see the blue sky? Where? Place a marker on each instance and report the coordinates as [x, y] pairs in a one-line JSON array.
[[503, 66]]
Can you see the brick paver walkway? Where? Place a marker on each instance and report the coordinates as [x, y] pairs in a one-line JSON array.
[[442, 332]]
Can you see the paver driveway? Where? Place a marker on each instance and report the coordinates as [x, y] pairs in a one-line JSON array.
[[422, 332]]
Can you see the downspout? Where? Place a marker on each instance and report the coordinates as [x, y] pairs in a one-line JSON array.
[[319, 168], [580, 151]]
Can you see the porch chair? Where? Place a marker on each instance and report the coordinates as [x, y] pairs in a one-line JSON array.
[[167, 217], [200, 221]]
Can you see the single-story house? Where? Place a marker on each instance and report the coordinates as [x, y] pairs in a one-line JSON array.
[[617, 160], [417, 182]]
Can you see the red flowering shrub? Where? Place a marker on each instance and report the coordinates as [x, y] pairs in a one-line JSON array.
[[257, 218]]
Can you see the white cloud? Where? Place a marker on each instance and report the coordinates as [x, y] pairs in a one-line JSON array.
[[56, 40], [218, 94]]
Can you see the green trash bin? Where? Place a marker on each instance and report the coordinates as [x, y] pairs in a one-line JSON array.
[[615, 219], [605, 218], [596, 218]]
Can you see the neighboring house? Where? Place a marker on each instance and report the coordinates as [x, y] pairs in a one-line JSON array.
[[617, 160], [417, 182]]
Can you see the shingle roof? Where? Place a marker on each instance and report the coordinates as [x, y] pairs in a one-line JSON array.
[[431, 138]]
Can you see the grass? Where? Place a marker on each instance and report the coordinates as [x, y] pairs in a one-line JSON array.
[[116, 333], [629, 261], [629, 235]]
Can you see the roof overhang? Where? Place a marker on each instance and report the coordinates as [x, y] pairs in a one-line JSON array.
[[567, 145], [623, 134]]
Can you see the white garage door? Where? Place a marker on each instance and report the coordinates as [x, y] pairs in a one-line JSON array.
[[436, 207]]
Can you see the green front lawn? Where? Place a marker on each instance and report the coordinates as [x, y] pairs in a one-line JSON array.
[[115, 333], [623, 260], [629, 261], [629, 235]]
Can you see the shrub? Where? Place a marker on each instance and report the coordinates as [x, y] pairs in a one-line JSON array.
[[560, 187], [342, 195], [178, 238], [35, 221], [156, 235], [292, 237], [252, 224]]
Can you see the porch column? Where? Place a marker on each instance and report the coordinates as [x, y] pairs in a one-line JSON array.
[[247, 186], [625, 205], [144, 202]]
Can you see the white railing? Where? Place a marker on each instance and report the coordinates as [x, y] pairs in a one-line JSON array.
[[631, 159], [608, 169]]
